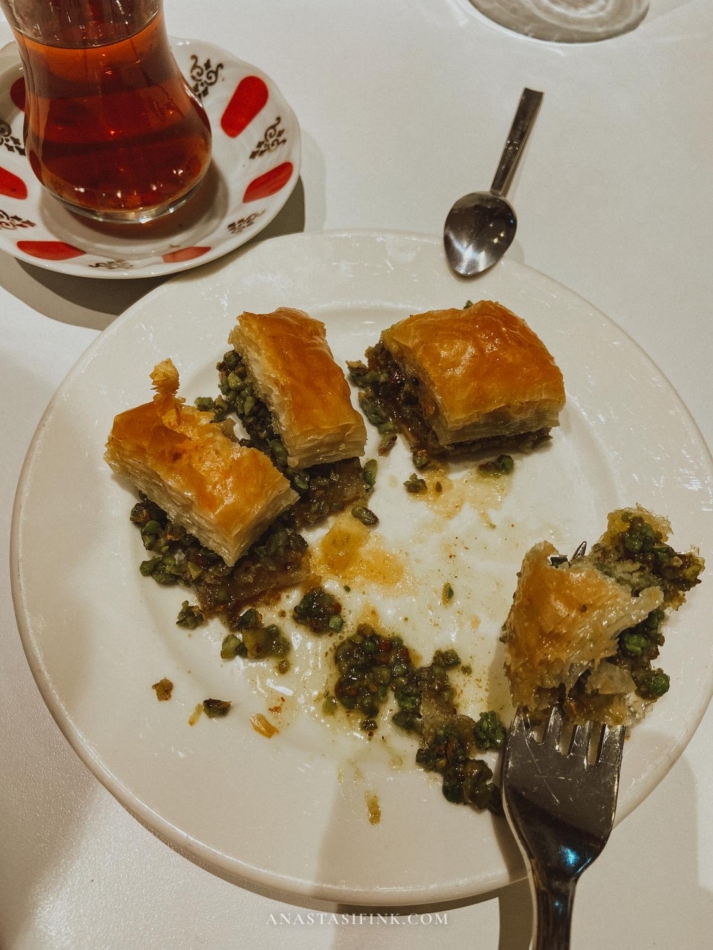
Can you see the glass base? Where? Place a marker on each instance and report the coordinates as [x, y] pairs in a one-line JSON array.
[[137, 216], [565, 21]]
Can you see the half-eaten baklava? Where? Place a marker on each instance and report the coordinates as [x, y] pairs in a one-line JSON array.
[[461, 380], [222, 493], [584, 632]]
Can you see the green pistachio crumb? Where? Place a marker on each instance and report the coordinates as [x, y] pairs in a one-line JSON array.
[[415, 485], [370, 470], [365, 515], [489, 732], [502, 465], [232, 646], [421, 459], [189, 616], [448, 658], [320, 611], [216, 708]]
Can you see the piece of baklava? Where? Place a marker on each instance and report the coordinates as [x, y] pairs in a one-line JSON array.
[[294, 401], [460, 381], [584, 632], [222, 493]]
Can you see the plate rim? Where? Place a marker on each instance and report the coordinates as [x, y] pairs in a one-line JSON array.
[[206, 856]]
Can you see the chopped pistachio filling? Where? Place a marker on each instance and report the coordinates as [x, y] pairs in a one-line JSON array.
[[391, 401], [277, 560], [372, 666], [450, 740], [502, 465], [415, 485], [636, 555], [216, 708], [320, 611], [250, 639], [323, 489]]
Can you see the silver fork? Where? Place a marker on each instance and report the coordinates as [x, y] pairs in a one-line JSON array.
[[561, 809]]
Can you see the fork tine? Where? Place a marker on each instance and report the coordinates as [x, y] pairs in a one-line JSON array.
[[553, 729], [579, 744], [521, 721], [560, 810], [612, 746]]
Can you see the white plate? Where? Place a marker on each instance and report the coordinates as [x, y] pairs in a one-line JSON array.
[[255, 167], [291, 812]]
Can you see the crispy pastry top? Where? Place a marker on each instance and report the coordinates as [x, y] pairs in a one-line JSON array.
[[219, 490], [476, 361], [295, 374]]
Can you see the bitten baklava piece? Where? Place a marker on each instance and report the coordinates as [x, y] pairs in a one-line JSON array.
[[222, 493], [584, 632], [294, 402], [461, 380]]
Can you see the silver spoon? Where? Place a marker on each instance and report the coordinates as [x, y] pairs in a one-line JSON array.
[[481, 226]]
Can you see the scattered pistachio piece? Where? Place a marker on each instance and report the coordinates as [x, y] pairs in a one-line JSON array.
[[320, 611], [189, 616], [421, 459], [502, 465], [216, 708], [370, 470], [414, 485], [163, 688], [365, 515], [489, 731]]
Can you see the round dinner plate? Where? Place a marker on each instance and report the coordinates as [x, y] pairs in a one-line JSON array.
[[319, 810], [255, 166]]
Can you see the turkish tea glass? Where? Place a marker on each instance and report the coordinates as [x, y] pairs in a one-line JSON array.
[[566, 21], [112, 128]]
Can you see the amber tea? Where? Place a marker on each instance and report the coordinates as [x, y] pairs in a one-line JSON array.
[[111, 126]]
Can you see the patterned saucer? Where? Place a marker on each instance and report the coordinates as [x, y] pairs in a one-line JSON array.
[[256, 163]]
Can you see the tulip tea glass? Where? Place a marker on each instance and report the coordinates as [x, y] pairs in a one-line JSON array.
[[565, 21], [112, 128]]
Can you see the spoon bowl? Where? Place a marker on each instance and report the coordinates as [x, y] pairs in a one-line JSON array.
[[481, 226], [479, 230]]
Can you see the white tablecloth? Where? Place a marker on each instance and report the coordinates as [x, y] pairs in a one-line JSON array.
[[404, 107]]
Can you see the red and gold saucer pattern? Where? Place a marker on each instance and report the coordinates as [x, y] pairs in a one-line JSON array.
[[256, 161]]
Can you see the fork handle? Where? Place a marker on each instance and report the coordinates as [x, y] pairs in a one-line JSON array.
[[553, 901]]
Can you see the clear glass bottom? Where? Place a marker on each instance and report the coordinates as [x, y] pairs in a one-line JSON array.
[[565, 21], [137, 216]]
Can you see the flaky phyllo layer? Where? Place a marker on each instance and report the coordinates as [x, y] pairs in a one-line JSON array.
[[221, 492], [585, 631], [294, 373], [459, 381]]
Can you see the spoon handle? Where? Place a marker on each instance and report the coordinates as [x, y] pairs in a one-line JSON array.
[[519, 130]]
